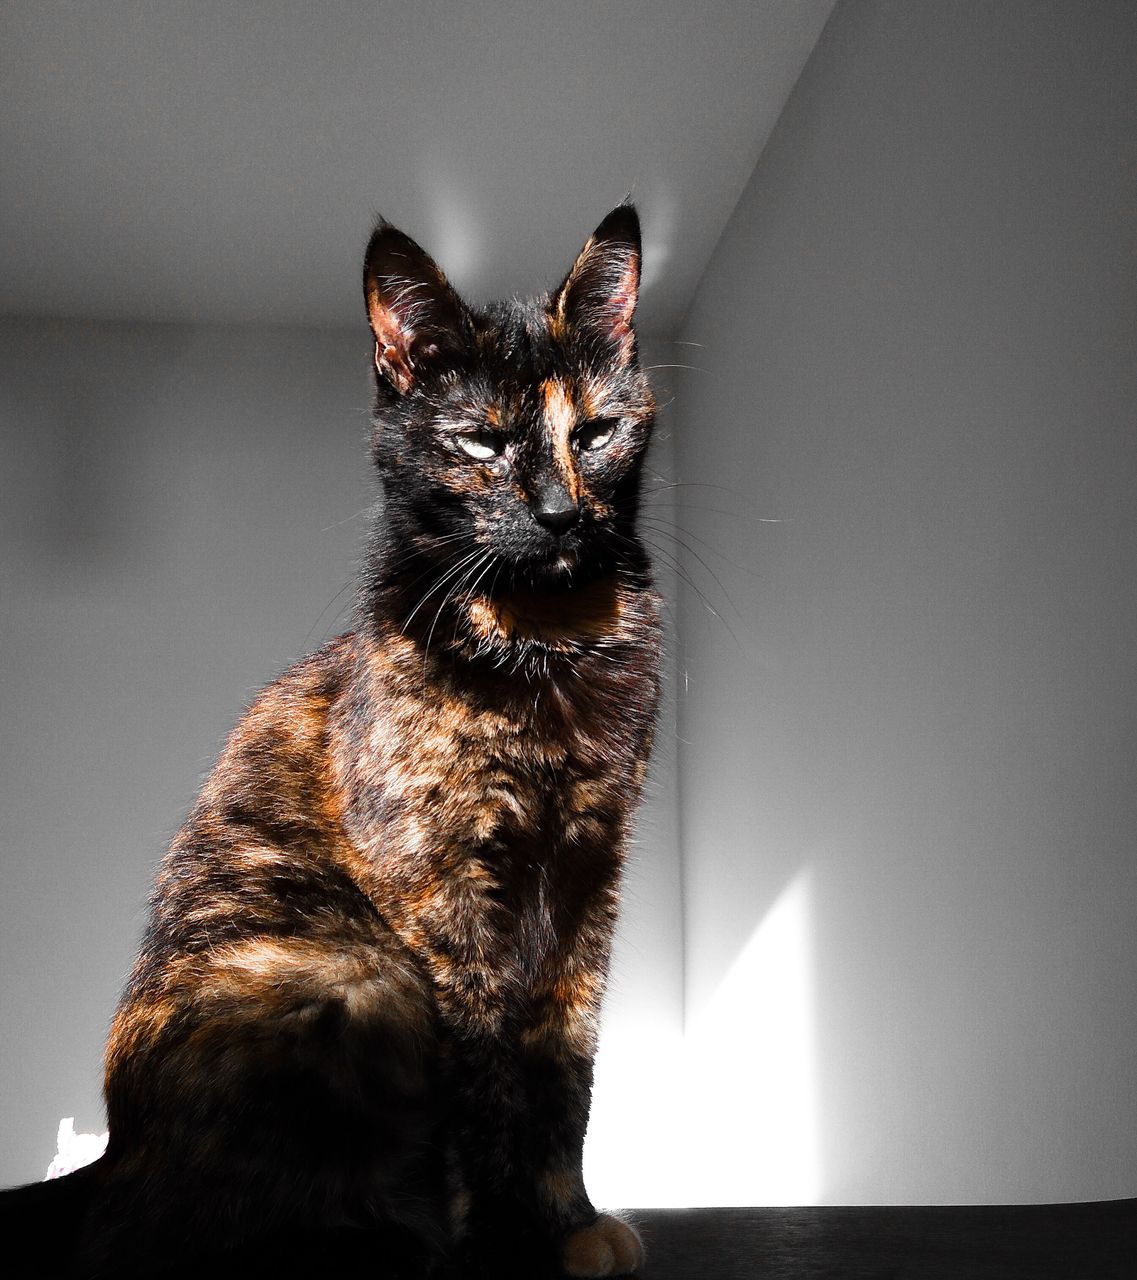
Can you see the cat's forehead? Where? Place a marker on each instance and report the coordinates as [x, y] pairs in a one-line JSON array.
[[517, 342], [528, 367]]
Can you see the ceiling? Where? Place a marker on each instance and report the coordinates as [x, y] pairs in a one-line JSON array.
[[222, 160]]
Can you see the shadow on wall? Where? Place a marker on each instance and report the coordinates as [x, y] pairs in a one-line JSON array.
[[177, 508]]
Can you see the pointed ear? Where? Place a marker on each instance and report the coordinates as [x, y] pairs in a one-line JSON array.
[[599, 295], [419, 322]]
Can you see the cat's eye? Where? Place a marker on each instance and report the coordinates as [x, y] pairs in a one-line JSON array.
[[482, 446], [594, 434]]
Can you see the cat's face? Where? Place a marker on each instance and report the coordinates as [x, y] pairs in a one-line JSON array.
[[510, 439]]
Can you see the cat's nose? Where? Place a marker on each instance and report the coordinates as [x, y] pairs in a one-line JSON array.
[[556, 512]]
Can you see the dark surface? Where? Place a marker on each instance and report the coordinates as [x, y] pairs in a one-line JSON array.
[[1027, 1242], [1096, 1241]]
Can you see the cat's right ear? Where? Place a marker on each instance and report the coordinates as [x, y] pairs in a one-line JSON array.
[[419, 322], [598, 296]]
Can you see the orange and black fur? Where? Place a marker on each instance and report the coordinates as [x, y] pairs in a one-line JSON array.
[[365, 1008]]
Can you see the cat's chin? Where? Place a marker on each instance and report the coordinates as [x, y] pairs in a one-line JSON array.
[[555, 573], [570, 567], [553, 616]]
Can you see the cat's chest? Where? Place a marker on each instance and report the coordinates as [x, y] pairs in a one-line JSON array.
[[503, 837], [489, 830], [464, 775], [477, 802]]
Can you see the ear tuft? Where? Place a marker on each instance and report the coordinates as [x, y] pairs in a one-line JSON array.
[[598, 296], [419, 322]]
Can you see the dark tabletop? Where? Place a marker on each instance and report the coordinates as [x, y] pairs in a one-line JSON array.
[[1095, 1241]]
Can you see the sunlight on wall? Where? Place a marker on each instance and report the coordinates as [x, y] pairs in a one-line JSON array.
[[451, 238], [632, 1156], [751, 1069], [659, 233], [725, 1114]]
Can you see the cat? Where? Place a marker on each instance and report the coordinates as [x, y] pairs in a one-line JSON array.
[[364, 1011]]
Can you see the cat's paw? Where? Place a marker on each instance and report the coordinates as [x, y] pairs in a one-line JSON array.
[[608, 1247]]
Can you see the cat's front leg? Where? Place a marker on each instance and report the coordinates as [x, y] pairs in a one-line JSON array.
[[521, 1209], [558, 1064], [589, 1244], [606, 1247], [520, 1083]]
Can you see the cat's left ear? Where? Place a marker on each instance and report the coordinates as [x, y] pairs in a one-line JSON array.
[[419, 322], [598, 296]]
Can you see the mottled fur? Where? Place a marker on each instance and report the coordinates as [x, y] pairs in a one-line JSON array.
[[367, 997]]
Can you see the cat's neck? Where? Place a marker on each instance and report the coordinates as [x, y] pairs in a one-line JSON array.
[[536, 633], [443, 624]]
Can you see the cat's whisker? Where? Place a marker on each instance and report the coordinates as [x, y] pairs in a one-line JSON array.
[[681, 573], [638, 545], [415, 554], [338, 524], [481, 574], [668, 506], [666, 527], [454, 569], [497, 575], [696, 484], [481, 571], [671, 562], [451, 594], [347, 586], [450, 568]]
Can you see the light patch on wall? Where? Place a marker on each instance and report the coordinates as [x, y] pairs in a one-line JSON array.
[[657, 210], [750, 1063], [725, 1113], [635, 1155], [751, 1069], [451, 238]]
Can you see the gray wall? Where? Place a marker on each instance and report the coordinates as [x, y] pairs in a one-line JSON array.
[[907, 775], [175, 511], [919, 353], [179, 508]]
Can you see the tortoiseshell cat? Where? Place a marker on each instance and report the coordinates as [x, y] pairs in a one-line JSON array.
[[365, 1007]]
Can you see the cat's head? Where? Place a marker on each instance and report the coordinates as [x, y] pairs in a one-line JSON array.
[[509, 438]]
